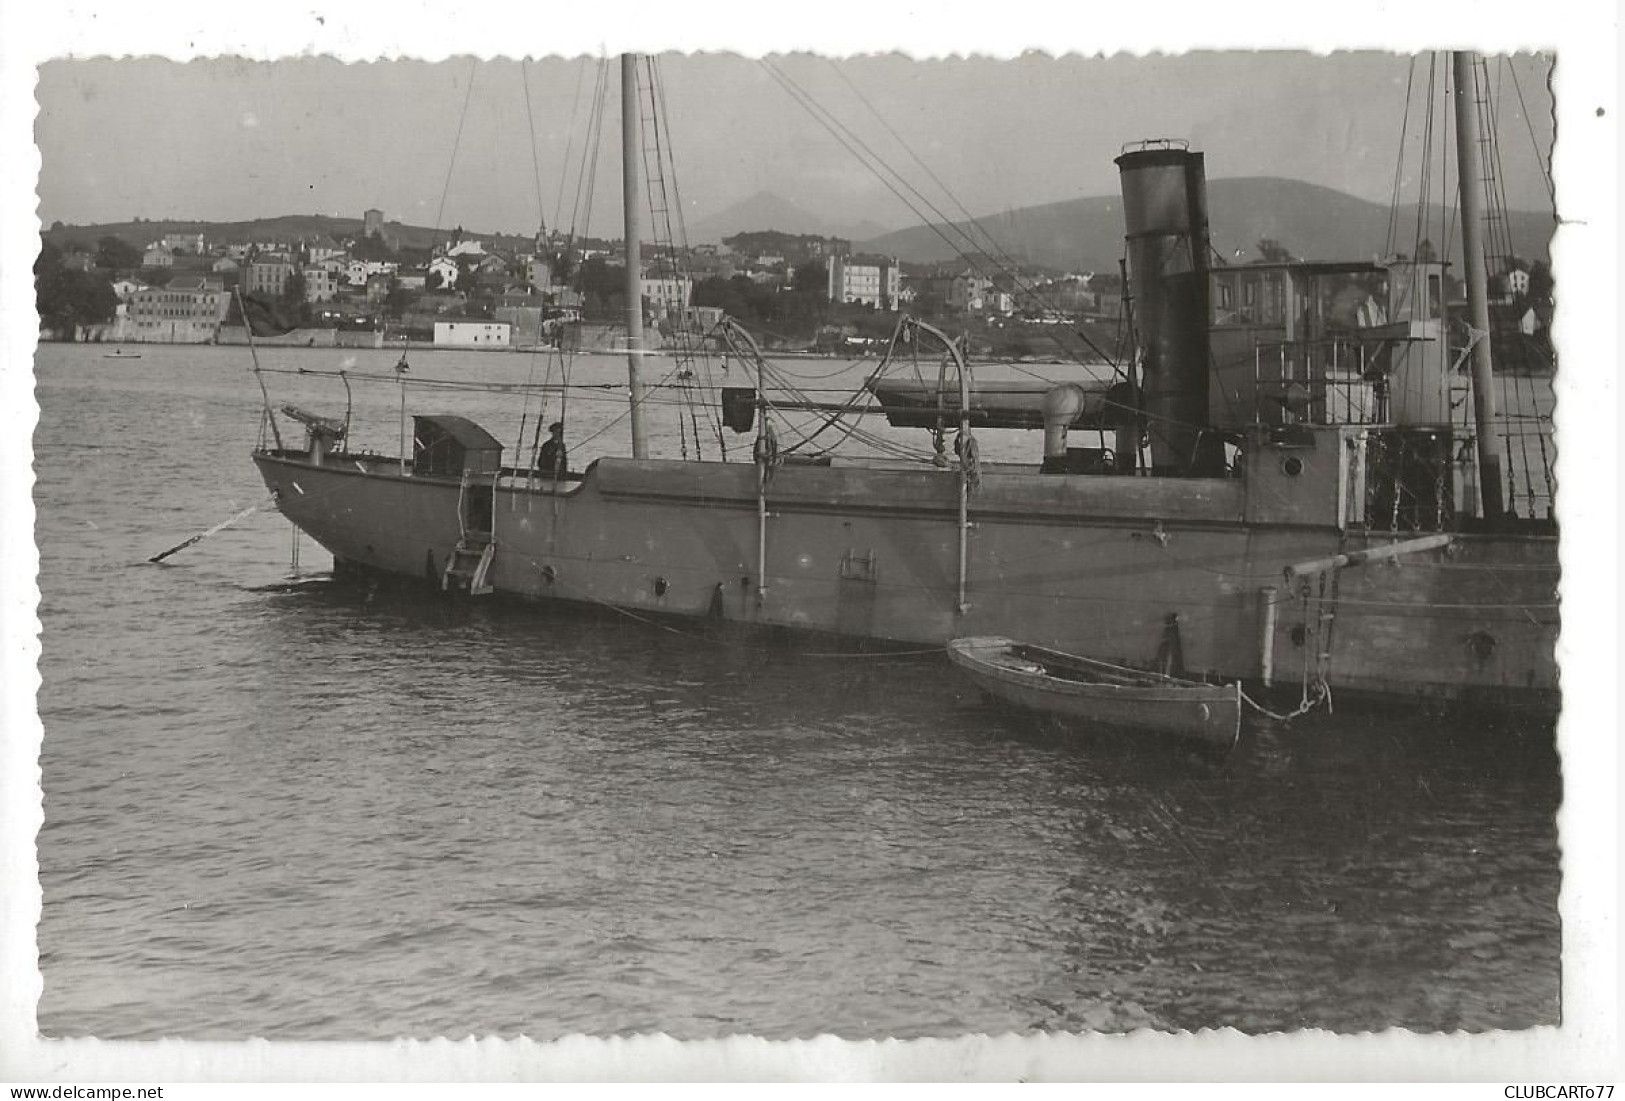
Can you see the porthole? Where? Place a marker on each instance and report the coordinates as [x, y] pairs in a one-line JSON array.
[[1292, 466]]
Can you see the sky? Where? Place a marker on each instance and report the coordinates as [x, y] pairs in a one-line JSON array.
[[497, 144]]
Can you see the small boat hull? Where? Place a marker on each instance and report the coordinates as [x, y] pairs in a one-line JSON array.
[[1007, 403], [1070, 687]]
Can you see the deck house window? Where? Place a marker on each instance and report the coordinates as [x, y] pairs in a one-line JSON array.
[[1274, 312]]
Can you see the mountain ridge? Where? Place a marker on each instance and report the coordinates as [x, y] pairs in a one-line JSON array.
[[1311, 221], [766, 210]]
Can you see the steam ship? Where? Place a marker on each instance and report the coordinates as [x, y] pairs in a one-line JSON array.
[[1289, 496]]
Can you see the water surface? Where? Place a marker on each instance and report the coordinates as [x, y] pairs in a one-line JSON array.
[[301, 811]]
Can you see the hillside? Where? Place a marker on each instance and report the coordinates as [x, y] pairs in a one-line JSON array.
[[284, 228], [767, 211], [1313, 222]]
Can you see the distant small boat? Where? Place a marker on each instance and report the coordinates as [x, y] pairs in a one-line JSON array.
[[120, 353], [1068, 686]]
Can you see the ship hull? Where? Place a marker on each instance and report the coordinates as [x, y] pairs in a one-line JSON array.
[[1138, 571]]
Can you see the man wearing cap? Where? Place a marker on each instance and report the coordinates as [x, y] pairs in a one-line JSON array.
[[551, 460]]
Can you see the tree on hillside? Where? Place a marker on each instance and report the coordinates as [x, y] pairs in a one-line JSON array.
[[1272, 251], [397, 299], [602, 291], [293, 299], [1541, 284], [811, 277], [67, 299], [116, 254], [371, 247]]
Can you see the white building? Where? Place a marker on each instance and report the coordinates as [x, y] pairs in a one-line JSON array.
[[472, 334], [466, 247], [446, 269], [357, 272], [870, 281], [666, 296], [187, 311], [1514, 284], [189, 243]]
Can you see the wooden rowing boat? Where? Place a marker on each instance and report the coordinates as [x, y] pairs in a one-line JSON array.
[[1065, 685]]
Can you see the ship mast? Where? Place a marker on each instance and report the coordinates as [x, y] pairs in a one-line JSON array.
[[631, 156], [1469, 173]]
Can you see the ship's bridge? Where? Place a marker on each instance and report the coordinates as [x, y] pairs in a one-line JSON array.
[[1322, 343]]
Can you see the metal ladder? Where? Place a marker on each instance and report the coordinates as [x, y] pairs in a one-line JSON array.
[[470, 563]]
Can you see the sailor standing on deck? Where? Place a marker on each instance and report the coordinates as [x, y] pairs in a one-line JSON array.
[[551, 460]]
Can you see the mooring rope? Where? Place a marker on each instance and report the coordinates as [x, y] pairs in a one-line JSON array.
[[1323, 694]]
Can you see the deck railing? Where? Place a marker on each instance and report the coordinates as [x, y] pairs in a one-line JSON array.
[[1340, 380]]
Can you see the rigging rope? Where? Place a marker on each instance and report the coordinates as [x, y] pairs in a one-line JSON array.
[[1006, 264], [875, 163]]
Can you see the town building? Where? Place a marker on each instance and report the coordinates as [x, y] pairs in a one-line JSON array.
[[189, 243], [446, 269], [268, 275], [321, 284], [157, 256], [468, 246], [378, 286], [1069, 296], [565, 298], [667, 296], [187, 311], [869, 281], [525, 323], [357, 272], [969, 291], [539, 273], [702, 319], [372, 223], [472, 334]]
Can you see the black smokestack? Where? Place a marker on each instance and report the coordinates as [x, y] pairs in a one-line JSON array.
[[1165, 211]]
